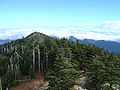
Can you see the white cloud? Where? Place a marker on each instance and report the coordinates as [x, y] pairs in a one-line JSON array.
[[109, 30], [13, 33], [113, 25]]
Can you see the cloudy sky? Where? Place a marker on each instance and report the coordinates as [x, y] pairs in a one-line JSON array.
[[92, 19]]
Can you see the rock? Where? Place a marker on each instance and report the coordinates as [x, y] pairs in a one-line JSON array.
[[81, 81], [116, 87], [77, 87], [106, 84]]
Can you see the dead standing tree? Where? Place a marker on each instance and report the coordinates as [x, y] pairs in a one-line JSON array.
[[14, 66], [17, 65], [22, 48], [33, 58], [39, 66], [46, 55], [0, 84], [1, 74], [37, 54]]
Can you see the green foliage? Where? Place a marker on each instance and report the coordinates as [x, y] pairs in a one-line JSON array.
[[62, 77], [8, 80], [25, 64], [65, 62]]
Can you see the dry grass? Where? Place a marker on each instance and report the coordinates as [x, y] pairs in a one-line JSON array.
[[29, 85]]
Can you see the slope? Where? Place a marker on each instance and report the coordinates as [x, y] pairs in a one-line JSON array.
[[59, 61]]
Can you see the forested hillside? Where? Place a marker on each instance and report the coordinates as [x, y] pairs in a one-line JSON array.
[[60, 62], [111, 46]]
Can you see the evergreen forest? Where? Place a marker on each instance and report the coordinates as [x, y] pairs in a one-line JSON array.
[[60, 62]]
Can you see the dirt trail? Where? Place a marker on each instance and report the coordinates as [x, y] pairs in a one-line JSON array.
[[29, 85]]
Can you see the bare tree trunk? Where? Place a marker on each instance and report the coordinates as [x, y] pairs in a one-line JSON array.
[[22, 49], [17, 75], [6, 88], [30, 78], [0, 84], [15, 71], [42, 69], [39, 59], [17, 66], [8, 70], [18, 61], [11, 63], [46, 60], [15, 48], [33, 59], [11, 47], [7, 48]]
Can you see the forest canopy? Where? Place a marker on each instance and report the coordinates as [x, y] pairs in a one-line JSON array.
[[60, 62]]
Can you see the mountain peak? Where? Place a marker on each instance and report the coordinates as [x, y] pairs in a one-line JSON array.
[[37, 37], [35, 34], [72, 38]]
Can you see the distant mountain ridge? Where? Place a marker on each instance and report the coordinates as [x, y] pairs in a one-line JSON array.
[[111, 46], [4, 41]]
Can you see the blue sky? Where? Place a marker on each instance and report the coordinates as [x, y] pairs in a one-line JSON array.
[[100, 17]]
